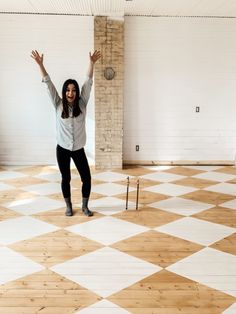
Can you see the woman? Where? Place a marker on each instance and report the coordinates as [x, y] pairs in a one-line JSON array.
[[71, 135]]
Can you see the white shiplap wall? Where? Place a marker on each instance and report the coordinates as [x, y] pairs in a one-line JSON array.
[[173, 65], [27, 123]]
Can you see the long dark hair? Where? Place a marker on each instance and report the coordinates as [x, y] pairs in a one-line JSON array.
[[76, 108]]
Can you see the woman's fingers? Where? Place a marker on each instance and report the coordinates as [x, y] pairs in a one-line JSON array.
[[95, 56], [36, 56]]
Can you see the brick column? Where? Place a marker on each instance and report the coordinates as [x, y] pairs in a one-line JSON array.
[[109, 39]]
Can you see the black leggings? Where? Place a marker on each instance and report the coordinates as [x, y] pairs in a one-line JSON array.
[[81, 163]]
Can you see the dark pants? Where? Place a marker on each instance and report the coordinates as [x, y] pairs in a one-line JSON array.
[[63, 158]]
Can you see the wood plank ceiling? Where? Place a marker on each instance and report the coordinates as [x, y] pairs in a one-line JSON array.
[[221, 8]]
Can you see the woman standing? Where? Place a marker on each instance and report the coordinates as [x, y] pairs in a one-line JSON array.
[[71, 134]]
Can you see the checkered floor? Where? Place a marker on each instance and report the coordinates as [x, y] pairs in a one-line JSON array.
[[175, 254]]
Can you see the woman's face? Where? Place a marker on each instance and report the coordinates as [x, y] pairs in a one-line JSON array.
[[70, 93]]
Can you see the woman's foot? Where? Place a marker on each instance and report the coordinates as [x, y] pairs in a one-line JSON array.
[[87, 212], [85, 208], [69, 210]]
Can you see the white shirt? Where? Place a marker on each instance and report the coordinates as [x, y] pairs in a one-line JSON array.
[[71, 133]]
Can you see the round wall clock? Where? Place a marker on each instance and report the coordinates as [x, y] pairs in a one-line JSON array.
[[109, 73]]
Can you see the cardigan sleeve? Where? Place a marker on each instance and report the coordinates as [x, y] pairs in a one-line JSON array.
[[55, 98]]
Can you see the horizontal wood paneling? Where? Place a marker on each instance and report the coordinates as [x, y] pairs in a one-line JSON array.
[[173, 65], [27, 122]]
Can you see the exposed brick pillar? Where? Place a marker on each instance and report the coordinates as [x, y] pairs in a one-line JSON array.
[[109, 39]]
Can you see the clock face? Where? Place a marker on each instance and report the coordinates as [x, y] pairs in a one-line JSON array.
[[109, 73]]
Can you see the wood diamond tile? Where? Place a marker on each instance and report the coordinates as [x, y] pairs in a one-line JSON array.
[[44, 292], [219, 215], [13, 195], [183, 171], [76, 196], [232, 181], [168, 293], [227, 245], [57, 217], [6, 213], [147, 216], [35, 170], [143, 183], [25, 181], [134, 171], [157, 248], [208, 197], [195, 182], [55, 247], [228, 170], [145, 197], [56, 196], [95, 182]]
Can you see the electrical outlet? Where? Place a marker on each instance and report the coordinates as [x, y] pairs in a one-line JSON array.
[[137, 148], [197, 109]]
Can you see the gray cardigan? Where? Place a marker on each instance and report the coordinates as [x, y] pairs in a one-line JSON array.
[[71, 133]]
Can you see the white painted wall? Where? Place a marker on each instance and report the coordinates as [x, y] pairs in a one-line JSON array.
[[173, 65], [27, 122]]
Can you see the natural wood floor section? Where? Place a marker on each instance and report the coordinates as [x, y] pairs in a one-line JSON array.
[[164, 292], [167, 293], [44, 292]]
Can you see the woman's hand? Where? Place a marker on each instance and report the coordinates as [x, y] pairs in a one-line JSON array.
[[36, 56], [95, 56], [39, 60]]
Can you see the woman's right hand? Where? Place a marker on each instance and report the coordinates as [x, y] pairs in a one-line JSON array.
[[36, 56]]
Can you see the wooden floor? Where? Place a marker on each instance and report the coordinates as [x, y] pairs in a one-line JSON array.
[[175, 254]]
